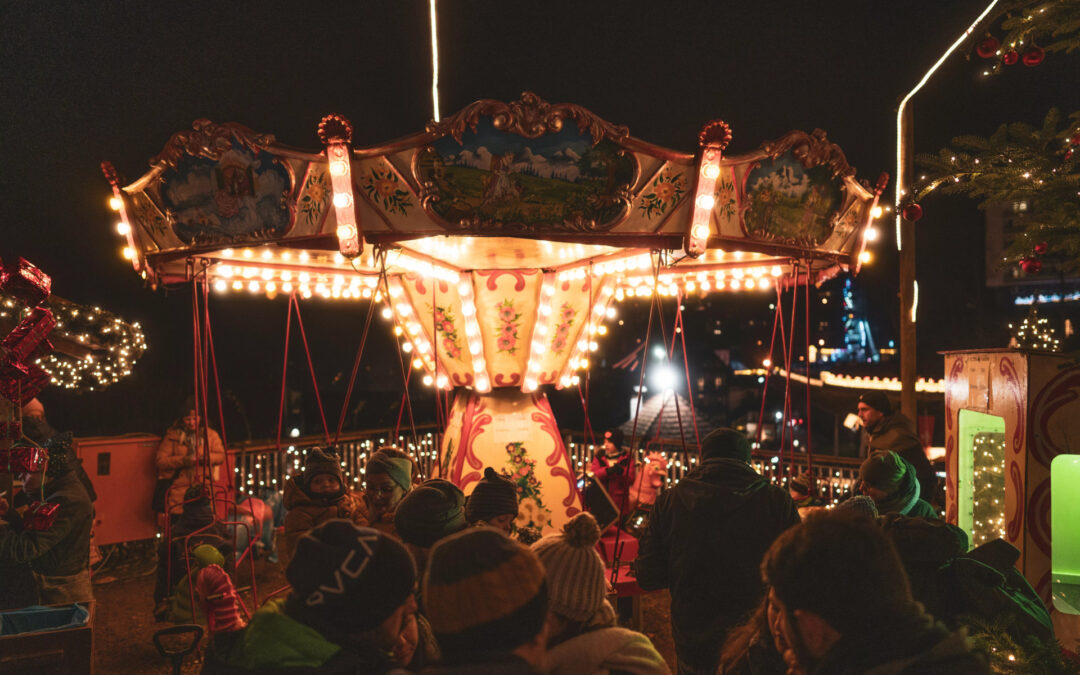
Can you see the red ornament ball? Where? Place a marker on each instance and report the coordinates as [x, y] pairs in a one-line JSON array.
[[1075, 140], [1068, 154], [1010, 57], [988, 47], [1034, 55], [1030, 266], [1040, 248], [912, 212]]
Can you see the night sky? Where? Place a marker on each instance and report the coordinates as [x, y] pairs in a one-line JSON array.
[[85, 82]]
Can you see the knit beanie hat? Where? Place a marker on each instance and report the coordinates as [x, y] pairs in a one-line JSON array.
[[860, 504], [347, 578], [494, 495], [725, 443], [483, 592], [616, 436], [884, 470], [61, 455], [321, 461], [393, 463], [800, 484], [876, 400], [575, 572], [430, 512]]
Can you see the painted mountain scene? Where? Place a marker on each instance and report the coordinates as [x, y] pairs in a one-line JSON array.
[[790, 202], [499, 180]]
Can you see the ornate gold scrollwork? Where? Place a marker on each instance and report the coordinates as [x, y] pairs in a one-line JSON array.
[[210, 140], [812, 149], [530, 116]]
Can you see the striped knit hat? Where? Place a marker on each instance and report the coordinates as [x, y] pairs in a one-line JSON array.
[[575, 571], [483, 593]]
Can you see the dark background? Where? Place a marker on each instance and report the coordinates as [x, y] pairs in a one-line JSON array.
[[83, 82]]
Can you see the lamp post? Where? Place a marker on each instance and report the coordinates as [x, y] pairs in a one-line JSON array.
[[905, 230]]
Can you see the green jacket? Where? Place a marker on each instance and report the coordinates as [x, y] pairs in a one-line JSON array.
[[276, 643], [63, 549]]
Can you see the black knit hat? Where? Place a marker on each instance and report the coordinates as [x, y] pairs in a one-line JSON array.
[[430, 512], [348, 579], [876, 400], [483, 592], [725, 443], [61, 455], [493, 496], [322, 461], [616, 436], [841, 567]]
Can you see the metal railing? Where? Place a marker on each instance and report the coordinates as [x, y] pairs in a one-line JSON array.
[[260, 466]]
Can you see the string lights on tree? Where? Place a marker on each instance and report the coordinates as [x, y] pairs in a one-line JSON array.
[[1035, 332], [988, 488]]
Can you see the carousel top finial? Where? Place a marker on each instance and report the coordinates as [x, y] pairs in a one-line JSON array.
[[335, 128], [715, 133]]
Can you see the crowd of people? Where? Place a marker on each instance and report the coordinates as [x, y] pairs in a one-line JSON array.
[[410, 575]]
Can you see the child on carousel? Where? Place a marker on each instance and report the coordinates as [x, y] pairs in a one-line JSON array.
[[613, 466]]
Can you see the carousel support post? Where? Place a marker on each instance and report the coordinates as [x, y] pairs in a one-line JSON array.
[[909, 292]]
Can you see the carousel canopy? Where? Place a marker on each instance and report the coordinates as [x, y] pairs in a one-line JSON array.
[[498, 236]]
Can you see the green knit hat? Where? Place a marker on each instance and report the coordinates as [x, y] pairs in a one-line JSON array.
[[430, 512], [483, 592], [884, 470], [393, 463]]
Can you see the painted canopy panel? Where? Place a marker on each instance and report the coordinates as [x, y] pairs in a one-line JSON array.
[[521, 169]]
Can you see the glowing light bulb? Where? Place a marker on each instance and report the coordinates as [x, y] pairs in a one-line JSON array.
[[706, 202], [342, 200], [711, 171], [865, 257], [128, 253], [872, 234], [123, 228]]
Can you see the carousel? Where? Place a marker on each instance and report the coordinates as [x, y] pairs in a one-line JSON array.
[[496, 240]]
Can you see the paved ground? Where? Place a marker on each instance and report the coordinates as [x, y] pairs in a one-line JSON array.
[[124, 625]]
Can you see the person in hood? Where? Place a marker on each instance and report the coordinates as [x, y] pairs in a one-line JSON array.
[[839, 602], [38, 429], [890, 481], [583, 635], [887, 430], [59, 554], [317, 494], [704, 541], [348, 611]]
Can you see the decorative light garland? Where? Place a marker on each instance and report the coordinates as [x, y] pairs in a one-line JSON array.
[[114, 345], [988, 488]]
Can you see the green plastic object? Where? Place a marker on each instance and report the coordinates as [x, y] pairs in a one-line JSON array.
[[980, 504], [1065, 533]]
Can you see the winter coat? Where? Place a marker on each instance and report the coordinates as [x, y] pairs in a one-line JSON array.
[[305, 512], [896, 432], [362, 517], [905, 499], [913, 646], [490, 663], [617, 484], [705, 540], [275, 643], [175, 446], [606, 650], [64, 548]]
